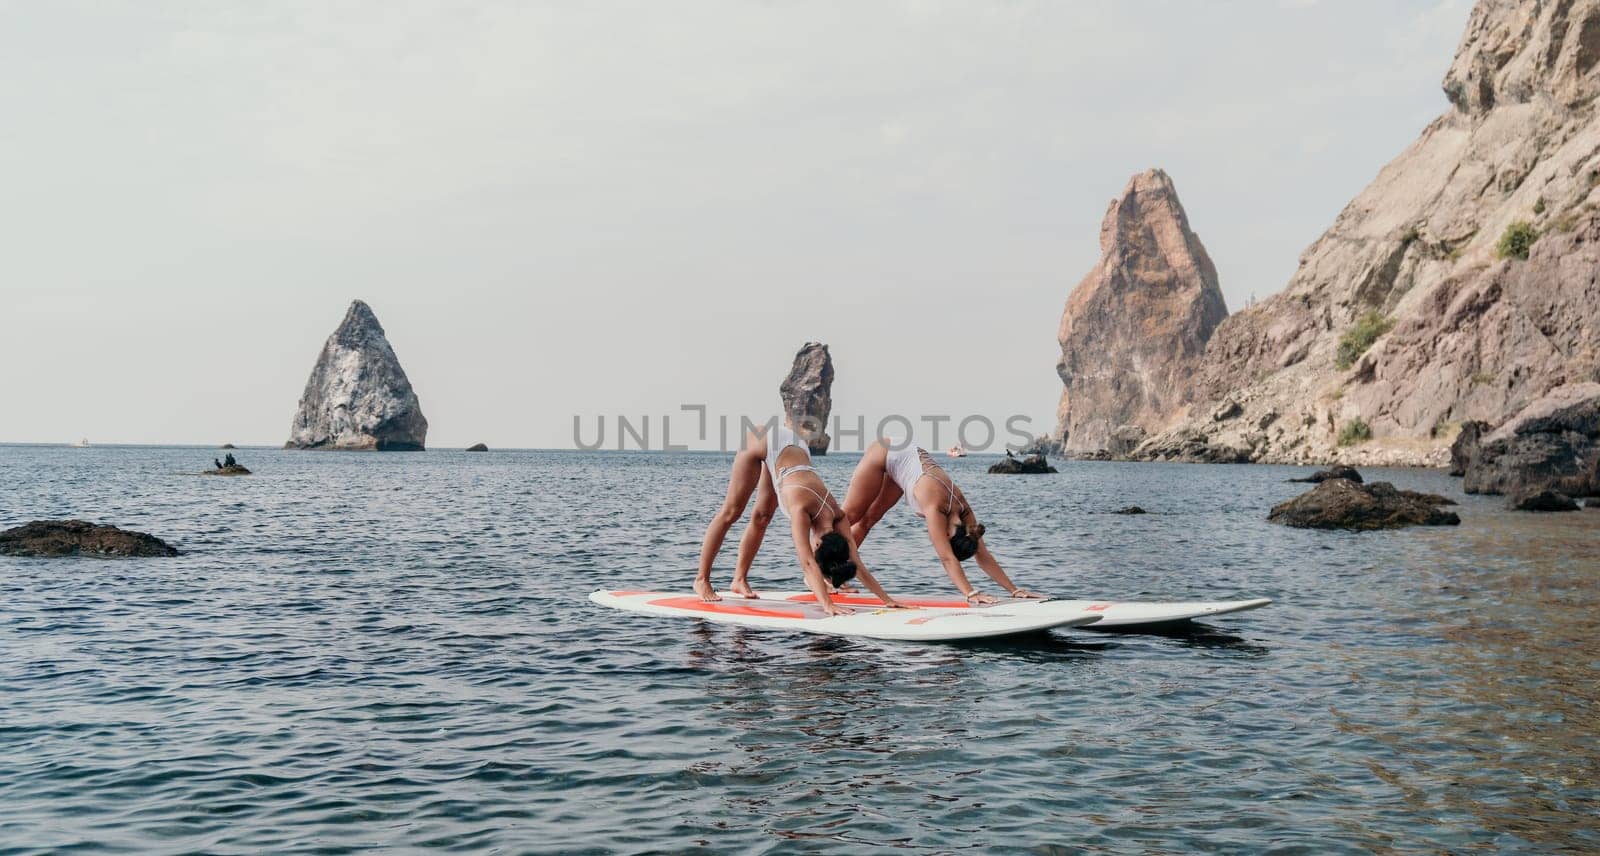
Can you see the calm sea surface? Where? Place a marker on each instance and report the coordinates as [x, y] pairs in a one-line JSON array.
[[395, 652]]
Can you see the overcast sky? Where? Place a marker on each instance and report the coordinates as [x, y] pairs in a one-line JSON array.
[[604, 208]]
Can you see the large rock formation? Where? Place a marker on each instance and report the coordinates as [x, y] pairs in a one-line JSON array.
[[358, 397], [1417, 311], [55, 538], [1134, 329], [808, 395], [1552, 445]]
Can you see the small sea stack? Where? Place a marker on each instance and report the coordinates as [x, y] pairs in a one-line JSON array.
[[60, 538], [358, 398], [808, 395], [477, 447]]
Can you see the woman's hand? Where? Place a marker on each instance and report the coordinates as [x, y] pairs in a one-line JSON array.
[[1025, 594], [979, 598], [890, 603], [832, 608]]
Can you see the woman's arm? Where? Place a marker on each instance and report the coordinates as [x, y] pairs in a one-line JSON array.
[[842, 526], [939, 534], [990, 566], [800, 528]]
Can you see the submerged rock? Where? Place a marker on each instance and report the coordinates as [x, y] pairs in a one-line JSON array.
[[358, 397], [231, 470], [1131, 509], [1334, 472], [1542, 500], [477, 447], [808, 395], [1135, 327], [1343, 504], [54, 538], [1030, 465], [1553, 444]]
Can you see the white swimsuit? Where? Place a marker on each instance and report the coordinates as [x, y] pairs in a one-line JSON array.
[[778, 439], [906, 466]]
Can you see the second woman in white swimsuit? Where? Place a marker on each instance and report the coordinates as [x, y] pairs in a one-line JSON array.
[[776, 466], [885, 474]]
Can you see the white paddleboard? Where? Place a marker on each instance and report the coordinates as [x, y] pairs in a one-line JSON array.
[[872, 621], [1113, 613]]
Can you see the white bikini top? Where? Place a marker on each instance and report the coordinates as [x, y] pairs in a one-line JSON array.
[[778, 439]]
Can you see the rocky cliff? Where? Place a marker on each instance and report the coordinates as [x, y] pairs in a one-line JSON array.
[[358, 397], [808, 395], [1460, 285], [1135, 328]]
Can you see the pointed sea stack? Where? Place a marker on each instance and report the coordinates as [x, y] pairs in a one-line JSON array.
[[1135, 328], [358, 397], [808, 395]]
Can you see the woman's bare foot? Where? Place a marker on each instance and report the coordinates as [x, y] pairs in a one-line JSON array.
[[706, 592], [743, 589]]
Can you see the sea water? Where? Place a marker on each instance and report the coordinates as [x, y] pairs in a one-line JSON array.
[[395, 652]]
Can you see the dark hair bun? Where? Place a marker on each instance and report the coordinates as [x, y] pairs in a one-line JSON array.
[[965, 545], [833, 557]]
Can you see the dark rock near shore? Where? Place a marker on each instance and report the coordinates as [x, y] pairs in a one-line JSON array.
[[1466, 446], [1542, 500], [1189, 446], [234, 470], [1131, 509], [1343, 504], [1041, 445], [1594, 502], [54, 538], [1338, 471], [1552, 444], [807, 395], [227, 446], [1030, 465], [477, 447], [358, 397]]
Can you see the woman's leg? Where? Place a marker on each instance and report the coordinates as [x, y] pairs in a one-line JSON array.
[[742, 482], [754, 533], [872, 493]]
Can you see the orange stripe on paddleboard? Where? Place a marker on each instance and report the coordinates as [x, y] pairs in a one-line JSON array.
[[859, 600], [695, 604]]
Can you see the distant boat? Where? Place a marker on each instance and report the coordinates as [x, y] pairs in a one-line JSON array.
[[956, 451], [81, 444]]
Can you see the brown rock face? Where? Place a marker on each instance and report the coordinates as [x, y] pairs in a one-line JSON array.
[[808, 395], [1465, 334], [55, 538], [1134, 329]]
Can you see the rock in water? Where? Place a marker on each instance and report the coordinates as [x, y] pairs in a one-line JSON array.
[[477, 447], [1465, 445], [1131, 509], [358, 397], [1134, 329], [1337, 472], [1552, 445], [808, 395], [1343, 504], [235, 470], [1030, 465], [1405, 314], [1542, 500], [77, 537]]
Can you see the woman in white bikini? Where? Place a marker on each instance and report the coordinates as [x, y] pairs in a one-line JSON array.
[[777, 467], [885, 474]]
